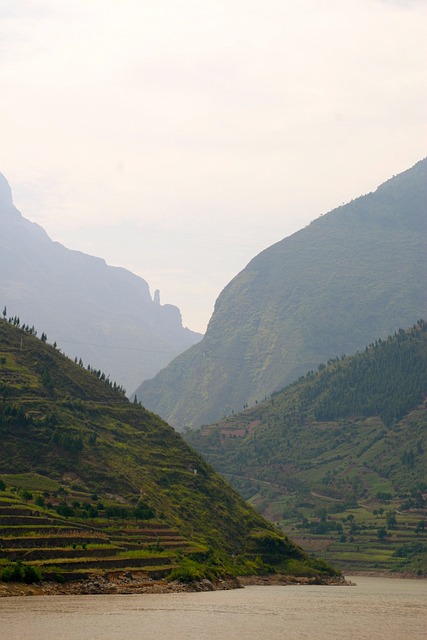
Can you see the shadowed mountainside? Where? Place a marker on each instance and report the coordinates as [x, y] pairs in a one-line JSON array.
[[351, 276], [103, 314]]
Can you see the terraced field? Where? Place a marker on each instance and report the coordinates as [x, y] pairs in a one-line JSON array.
[[363, 538], [65, 548]]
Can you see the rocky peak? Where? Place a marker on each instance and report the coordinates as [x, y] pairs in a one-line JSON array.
[[5, 192]]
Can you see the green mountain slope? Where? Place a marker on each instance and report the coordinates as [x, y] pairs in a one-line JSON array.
[[351, 276], [348, 440], [67, 431]]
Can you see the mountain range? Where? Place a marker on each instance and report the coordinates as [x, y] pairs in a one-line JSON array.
[[102, 314], [353, 275]]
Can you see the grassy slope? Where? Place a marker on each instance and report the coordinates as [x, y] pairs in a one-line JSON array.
[[350, 440], [60, 422], [351, 276]]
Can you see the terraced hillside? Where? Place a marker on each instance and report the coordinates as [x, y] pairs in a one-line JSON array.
[[85, 459], [339, 458], [376, 535], [61, 548]]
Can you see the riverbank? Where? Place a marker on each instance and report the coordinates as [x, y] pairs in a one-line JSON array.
[[385, 574], [138, 582]]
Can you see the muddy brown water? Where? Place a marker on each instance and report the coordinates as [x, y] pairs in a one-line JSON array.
[[374, 609]]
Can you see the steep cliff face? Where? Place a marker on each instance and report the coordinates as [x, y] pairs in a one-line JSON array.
[[351, 276], [5, 193], [103, 314]]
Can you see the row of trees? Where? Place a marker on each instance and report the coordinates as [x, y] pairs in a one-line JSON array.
[[102, 377], [86, 510], [16, 322], [141, 512]]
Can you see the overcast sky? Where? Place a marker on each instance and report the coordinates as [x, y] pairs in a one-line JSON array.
[[179, 138]]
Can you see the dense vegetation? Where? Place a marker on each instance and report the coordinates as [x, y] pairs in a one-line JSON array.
[[68, 433], [386, 380], [340, 455], [350, 277]]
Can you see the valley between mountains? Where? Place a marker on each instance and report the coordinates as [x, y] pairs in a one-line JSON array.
[[290, 440]]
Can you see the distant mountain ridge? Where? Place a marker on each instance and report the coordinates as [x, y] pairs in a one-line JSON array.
[[351, 276], [103, 314]]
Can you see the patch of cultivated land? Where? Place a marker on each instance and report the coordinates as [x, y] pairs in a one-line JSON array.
[[378, 537], [62, 548]]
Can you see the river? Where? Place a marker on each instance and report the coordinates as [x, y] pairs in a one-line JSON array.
[[374, 609]]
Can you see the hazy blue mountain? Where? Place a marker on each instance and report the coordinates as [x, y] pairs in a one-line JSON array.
[[351, 276], [103, 314]]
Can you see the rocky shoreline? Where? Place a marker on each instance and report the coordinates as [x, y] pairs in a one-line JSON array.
[[138, 583]]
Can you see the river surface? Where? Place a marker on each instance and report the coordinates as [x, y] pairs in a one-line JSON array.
[[374, 609]]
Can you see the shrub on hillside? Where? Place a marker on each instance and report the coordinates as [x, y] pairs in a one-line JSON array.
[[19, 572]]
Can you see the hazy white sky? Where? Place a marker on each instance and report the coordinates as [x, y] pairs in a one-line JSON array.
[[178, 138]]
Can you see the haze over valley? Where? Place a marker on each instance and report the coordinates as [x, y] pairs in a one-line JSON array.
[[353, 275], [104, 315]]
